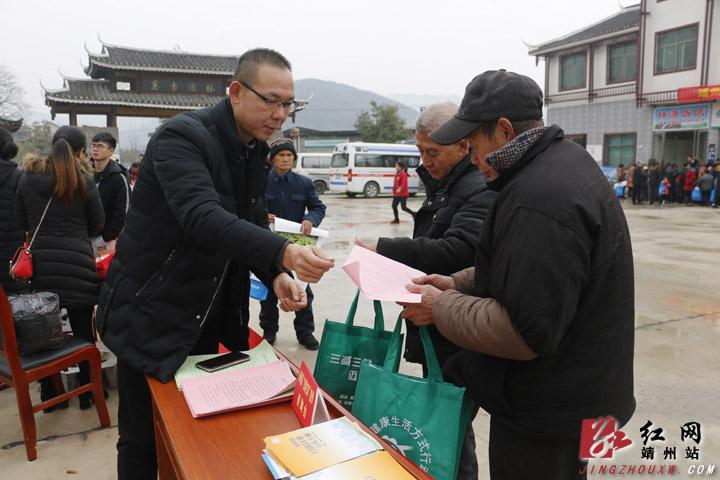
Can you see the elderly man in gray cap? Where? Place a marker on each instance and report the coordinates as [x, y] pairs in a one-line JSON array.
[[546, 316]]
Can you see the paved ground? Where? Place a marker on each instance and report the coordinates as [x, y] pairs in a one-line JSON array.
[[677, 259]]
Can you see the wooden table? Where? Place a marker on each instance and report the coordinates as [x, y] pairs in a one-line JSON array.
[[227, 445]]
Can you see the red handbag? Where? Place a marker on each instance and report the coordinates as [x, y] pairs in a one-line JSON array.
[[21, 266]]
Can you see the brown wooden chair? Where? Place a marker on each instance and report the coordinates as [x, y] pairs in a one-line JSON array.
[[18, 371]]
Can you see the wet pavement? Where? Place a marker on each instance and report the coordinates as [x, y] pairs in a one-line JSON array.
[[677, 359]]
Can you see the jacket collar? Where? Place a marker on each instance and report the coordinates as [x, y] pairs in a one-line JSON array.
[[432, 186], [222, 115], [278, 178], [551, 134], [112, 167]]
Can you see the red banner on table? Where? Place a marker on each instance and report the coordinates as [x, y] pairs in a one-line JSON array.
[[308, 402], [698, 94]]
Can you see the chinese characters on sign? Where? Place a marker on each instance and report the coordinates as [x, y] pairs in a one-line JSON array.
[[685, 117], [169, 85], [698, 94]]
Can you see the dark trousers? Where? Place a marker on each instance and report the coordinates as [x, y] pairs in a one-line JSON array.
[[706, 197], [81, 324], [402, 201], [514, 455], [304, 322], [637, 195], [136, 444]]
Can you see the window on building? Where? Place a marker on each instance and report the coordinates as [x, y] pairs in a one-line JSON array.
[[622, 62], [676, 50], [619, 148], [573, 70], [579, 138]]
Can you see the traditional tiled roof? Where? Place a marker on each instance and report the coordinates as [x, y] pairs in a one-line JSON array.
[[627, 19], [99, 92], [126, 58], [10, 125]]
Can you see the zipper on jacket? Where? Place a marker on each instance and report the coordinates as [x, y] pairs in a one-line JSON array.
[[157, 272], [217, 289]]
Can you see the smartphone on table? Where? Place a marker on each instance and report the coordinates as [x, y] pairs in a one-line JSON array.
[[223, 361]]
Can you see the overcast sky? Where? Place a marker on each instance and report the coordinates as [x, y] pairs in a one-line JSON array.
[[388, 46]]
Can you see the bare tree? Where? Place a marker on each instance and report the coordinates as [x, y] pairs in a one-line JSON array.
[[12, 104]]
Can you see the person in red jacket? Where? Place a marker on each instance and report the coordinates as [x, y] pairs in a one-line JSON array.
[[400, 191]]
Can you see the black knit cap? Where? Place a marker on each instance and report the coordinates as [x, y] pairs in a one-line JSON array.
[[281, 144], [488, 97]]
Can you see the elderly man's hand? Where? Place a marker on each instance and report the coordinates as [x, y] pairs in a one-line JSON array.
[[310, 263], [306, 227], [292, 297], [441, 282], [420, 314]]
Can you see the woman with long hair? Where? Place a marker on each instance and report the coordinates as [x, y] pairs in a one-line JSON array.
[[63, 257]]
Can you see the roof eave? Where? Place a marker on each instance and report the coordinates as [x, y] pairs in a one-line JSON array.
[[122, 103], [540, 51], [161, 69]]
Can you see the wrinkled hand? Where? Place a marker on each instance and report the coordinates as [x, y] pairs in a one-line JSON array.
[[306, 227], [292, 297], [441, 282], [420, 314], [372, 246], [310, 263], [271, 218]]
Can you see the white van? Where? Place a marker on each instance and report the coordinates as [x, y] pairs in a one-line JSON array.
[[316, 166], [369, 168]]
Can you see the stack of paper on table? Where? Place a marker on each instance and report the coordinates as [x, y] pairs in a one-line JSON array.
[[335, 449], [262, 354], [249, 387], [378, 465], [381, 278]]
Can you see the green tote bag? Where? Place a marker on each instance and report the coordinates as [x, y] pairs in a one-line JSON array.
[[423, 418], [344, 346]]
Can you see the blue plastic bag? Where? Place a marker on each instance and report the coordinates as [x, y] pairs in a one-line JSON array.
[[696, 195], [258, 290]]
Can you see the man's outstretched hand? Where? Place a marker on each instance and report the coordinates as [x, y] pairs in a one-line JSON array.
[[310, 263]]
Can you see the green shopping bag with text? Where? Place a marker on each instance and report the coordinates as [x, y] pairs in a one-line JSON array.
[[344, 346], [423, 418]]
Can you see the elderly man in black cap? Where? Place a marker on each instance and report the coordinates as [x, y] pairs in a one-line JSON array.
[[546, 316]]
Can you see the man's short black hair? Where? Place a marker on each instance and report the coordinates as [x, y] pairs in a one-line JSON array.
[[105, 137], [251, 60]]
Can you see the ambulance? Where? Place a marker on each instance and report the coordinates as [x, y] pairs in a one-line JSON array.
[[369, 168]]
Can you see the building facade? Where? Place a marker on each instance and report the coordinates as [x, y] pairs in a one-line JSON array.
[[643, 83]]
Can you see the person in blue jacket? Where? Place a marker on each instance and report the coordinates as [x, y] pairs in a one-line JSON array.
[[288, 195]]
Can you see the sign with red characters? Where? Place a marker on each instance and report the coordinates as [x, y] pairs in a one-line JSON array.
[[698, 94], [308, 402]]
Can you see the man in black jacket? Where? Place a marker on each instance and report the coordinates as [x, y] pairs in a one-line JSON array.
[[113, 186], [446, 231], [179, 283], [547, 313], [447, 225]]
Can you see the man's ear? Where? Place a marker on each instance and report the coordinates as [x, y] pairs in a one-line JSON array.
[[504, 130], [464, 147], [234, 91]]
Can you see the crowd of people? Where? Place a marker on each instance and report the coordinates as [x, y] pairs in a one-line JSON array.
[[519, 330], [661, 184]]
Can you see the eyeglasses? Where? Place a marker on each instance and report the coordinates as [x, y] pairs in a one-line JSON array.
[[97, 146], [273, 104]]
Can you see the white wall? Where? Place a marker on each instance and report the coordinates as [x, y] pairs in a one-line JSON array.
[[665, 16], [714, 76]]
